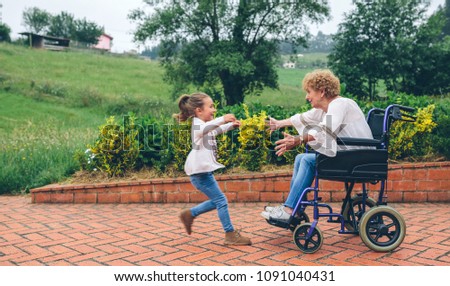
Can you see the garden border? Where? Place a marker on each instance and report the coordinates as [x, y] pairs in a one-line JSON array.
[[410, 182]]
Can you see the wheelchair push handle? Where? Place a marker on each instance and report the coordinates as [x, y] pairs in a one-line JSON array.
[[400, 112], [407, 108]]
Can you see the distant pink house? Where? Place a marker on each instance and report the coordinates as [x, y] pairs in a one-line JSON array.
[[104, 42]]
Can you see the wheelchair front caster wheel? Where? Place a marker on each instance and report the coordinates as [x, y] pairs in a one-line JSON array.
[[382, 229], [300, 218], [307, 243]]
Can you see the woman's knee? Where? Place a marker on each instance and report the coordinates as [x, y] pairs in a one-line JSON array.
[[299, 158], [308, 160]]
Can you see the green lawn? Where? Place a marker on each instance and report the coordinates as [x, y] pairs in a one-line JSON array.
[[289, 94]]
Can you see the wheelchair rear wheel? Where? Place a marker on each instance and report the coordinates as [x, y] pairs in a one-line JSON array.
[[305, 244], [382, 229], [358, 209]]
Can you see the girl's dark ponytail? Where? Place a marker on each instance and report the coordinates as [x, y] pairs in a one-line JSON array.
[[183, 105], [187, 105]]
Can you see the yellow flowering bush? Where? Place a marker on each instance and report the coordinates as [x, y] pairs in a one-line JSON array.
[[412, 138], [181, 143], [254, 139], [117, 148], [226, 150]]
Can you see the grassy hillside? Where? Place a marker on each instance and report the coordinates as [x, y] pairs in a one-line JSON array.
[[53, 102], [80, 79]]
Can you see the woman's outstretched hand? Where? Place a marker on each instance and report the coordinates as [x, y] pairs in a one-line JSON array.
[[272, 123], [287, 143]]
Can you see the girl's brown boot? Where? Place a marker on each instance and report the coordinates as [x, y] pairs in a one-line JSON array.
[[235, 238], [187, 219]]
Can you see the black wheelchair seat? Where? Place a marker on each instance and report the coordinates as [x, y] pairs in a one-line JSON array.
[[358, 165]]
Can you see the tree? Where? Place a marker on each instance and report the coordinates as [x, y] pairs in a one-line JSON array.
[[62, 25], [87, 32], [231, 44], [447, 17], [5, 30], [375, 44], [430, 68], [35, 20]]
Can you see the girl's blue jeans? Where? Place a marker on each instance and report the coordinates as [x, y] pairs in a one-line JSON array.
[[207, 184], [302, 177]]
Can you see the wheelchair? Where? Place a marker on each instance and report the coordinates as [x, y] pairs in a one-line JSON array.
[[380, 227]]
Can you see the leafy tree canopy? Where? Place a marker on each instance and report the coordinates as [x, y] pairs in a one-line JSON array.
[[87, 31], [35, 20], [62, 25], [5, 32], [386, 43], [228, 44], [447, 17], [430, 70]]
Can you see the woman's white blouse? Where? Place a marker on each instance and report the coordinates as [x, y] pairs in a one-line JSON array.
[[343, 119], [202, 157]]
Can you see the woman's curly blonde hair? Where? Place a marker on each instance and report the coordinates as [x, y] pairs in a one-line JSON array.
[[322, 80]]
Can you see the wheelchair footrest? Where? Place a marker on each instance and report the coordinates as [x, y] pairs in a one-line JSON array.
[[347, 232], [279, 223]]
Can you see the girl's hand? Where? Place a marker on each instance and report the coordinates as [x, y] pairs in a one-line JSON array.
[[229, 118], [287, 143], [236, 124]]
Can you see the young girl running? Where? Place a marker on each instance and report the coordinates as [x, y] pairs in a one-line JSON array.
[[201, 161]]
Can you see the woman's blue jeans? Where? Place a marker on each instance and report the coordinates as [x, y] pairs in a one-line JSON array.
[[302, 177], [207, 184]]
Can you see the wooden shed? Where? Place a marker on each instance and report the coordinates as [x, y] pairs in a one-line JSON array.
[[46, 42]]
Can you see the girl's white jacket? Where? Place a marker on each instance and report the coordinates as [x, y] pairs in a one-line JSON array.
[[202, 157]]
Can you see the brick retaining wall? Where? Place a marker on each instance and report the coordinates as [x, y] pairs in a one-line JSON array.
[[418, 182]]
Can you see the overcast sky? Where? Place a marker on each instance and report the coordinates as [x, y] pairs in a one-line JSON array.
[[112, 15]]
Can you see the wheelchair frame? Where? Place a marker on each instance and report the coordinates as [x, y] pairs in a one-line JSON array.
[[380, 227]]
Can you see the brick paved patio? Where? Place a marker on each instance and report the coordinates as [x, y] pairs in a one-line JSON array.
[[150, 234]]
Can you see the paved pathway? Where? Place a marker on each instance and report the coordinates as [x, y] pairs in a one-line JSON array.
[[150, 234]]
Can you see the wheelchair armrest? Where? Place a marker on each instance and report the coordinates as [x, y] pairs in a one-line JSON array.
[[358, 141]]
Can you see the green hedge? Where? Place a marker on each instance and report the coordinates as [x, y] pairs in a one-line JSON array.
[[164, 144]]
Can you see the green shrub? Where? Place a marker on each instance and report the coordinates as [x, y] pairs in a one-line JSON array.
[[440, 139], [181, 143], [117, 148], [274, 111], [425, 137], [227, 147], [409, 139], [52, 89], [163, 144], [254, 140], [154, 141]]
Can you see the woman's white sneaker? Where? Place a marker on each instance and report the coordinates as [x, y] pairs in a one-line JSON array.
[[277, 213]]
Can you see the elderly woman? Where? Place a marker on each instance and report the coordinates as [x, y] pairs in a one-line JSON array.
[[331, 116]]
